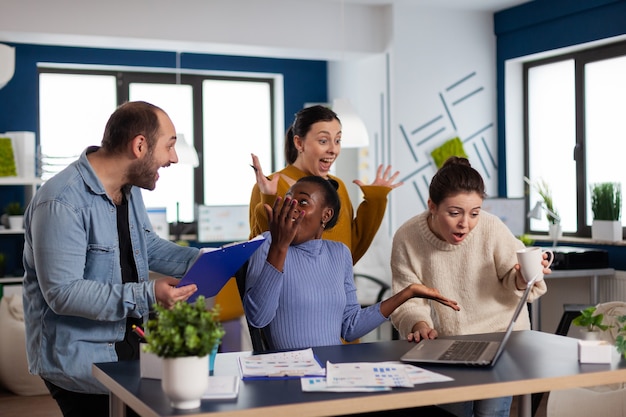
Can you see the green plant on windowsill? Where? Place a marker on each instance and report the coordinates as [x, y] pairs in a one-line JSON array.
[[606, 201], [544, 191], [14, 208], [187, 329], [589, 321]]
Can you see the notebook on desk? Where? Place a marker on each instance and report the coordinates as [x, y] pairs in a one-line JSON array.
[[473, 352]]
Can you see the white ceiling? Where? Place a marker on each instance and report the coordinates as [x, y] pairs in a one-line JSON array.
[[477, 5]]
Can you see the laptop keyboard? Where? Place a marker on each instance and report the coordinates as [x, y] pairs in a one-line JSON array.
[[464, 350]]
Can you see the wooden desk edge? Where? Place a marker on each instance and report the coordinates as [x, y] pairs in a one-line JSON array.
[[397, 399]]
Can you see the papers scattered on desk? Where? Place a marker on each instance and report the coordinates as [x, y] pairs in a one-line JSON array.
[[370, 376], [318, 384], [293, 364], [222, 386], [367, 374]]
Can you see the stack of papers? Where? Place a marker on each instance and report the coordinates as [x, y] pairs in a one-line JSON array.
[[293, 364], [370, 376]]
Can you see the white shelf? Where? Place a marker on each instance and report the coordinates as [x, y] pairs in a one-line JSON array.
[[11, 231], [11, 280], [20, 181]]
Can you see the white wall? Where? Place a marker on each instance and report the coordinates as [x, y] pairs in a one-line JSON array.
[[440, 56]]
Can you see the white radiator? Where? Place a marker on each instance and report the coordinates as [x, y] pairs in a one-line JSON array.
[[612, 288]]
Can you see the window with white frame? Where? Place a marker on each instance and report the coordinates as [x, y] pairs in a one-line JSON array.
[[574, 129]]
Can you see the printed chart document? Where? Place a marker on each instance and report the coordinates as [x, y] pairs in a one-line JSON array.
[[369, 376], [215, 266], [292, 364]]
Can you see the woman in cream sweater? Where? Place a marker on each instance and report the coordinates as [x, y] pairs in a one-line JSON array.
[[468, 255]]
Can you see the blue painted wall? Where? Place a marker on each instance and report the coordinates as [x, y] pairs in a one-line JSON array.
[[305, 81]]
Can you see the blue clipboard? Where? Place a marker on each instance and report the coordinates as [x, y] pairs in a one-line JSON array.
[[215, 266]]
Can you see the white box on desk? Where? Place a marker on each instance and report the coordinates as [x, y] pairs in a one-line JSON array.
[[594, 351], [150, 365]]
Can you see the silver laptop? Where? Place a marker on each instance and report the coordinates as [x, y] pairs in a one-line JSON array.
[[473, 352]]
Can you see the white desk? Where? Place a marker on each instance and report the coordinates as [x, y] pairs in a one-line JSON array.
[[593, 274]]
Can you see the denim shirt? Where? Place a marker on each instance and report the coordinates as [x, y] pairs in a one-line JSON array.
[[75, 305]]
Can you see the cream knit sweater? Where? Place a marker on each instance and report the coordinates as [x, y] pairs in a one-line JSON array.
[[478, 273]]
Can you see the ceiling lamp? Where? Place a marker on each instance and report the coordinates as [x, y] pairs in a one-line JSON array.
[[353, 130], [7, 64]]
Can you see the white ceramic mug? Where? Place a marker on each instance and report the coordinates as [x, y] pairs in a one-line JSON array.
[[530, 259]]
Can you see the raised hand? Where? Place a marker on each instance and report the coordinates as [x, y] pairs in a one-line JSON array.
[[284, 221], [266, 185], [383, 178]]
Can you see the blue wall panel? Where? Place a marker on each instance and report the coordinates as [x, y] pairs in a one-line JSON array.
[[305, 80]]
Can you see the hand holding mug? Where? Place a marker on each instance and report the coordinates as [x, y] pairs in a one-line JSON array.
[[530, 260]]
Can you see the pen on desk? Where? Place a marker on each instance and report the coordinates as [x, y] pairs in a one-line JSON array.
[[138, 331], [256, 170]]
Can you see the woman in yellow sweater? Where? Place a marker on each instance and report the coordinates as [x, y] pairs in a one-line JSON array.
[[312, 144]]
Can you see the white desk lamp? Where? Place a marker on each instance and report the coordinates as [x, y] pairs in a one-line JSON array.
[[536, 212]]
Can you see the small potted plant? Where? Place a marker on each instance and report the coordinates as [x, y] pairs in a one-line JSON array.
[[590, 322], [552, 215], [184, 337], [606, 206], [620, 340], [15, 211]]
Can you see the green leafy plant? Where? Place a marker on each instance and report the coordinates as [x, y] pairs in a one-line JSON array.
[[526, 239], [187, 329], [544, 191], [606, 201], [590, 321], [620, 340], [14, 208]]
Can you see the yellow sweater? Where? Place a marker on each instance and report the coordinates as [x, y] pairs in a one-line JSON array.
[[356, 232]]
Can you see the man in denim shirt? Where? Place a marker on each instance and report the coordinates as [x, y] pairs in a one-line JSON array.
[[88, 248]]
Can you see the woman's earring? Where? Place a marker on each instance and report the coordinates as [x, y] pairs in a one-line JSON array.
[[323, 225]]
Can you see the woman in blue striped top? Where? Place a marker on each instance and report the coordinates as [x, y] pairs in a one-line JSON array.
[[302, 286]]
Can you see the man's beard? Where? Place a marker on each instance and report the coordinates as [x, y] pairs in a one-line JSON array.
[[142, 173]]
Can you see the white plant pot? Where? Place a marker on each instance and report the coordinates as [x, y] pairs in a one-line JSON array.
[[555, 231], [16, 222], [608, 230], [590, 334], [184, 380]]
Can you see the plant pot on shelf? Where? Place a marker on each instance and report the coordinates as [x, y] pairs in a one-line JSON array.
[[607, 230], [16, 222]]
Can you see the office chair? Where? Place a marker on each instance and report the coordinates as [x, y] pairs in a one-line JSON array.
[[384, 288], [261, 339]]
